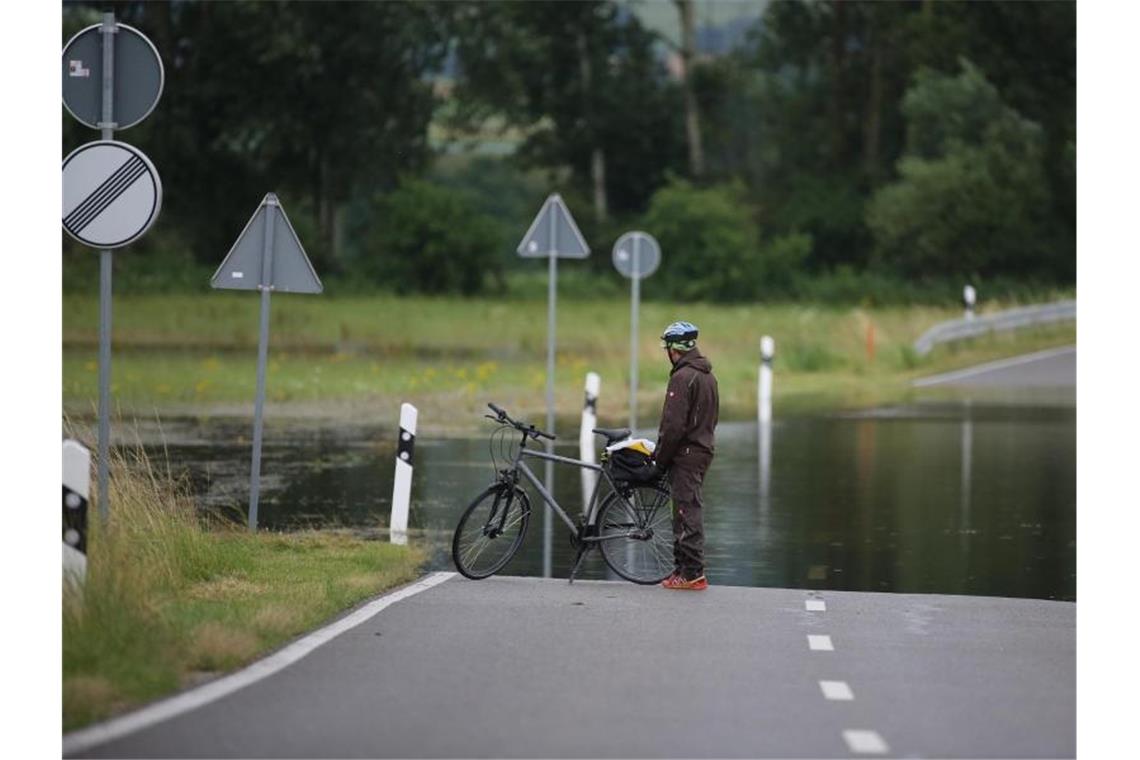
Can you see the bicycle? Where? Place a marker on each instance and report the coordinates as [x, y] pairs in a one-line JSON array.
[[632, 526]]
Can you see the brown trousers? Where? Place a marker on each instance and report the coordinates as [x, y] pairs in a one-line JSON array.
[[686, 475]]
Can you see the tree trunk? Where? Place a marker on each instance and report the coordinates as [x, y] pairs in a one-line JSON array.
[[339, 220], [325, 207], [598, 176], [872, 117], [838, 65], [597, 157], [692, 115]]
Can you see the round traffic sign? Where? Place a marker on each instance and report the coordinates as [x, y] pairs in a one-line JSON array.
[[138, 74], [637, 255], [111, 194]]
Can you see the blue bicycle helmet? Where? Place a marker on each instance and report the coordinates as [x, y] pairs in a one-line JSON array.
[[681, 336]]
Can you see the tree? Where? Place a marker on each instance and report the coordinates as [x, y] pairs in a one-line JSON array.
[[972, 198], [430, 239], [317, 101], [581, 79], [692, 114], [711, 247], [808, 113]]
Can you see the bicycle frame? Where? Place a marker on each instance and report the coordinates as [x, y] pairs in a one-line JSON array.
[[591, 515]]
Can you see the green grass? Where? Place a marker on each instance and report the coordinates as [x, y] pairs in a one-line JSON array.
[[450, 356], [170, 600]]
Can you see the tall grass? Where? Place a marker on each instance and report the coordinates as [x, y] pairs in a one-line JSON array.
[[153, 546], [173, 595]]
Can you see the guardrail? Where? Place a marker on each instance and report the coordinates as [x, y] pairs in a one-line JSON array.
[[1011, 319]]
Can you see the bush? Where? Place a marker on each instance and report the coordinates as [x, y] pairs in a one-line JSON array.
[[429, 239], [972, 196], [711, 247]]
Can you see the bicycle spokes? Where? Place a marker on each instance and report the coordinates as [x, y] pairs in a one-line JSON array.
[[490, 532], [636, 536]]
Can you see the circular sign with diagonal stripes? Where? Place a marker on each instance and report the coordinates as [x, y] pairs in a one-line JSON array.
[[111, 194]]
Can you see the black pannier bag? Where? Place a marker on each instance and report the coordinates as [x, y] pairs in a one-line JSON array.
[[631, 464]]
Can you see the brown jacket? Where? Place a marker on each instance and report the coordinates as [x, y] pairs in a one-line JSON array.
[[692, 405]]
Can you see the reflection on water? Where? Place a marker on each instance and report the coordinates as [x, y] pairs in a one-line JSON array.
[[953, 498]]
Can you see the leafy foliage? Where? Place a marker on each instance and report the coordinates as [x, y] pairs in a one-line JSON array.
[[844, 141], [576, 76], [429, 239], [711, 248], [972, 197]]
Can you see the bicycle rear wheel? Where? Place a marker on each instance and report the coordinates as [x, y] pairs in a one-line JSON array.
[[635, 532], [490, 531]]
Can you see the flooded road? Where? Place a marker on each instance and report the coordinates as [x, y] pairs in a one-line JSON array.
[[952, 497]]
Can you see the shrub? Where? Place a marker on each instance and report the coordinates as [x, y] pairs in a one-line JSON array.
[[710, 244], [425, 238], [972, 195]]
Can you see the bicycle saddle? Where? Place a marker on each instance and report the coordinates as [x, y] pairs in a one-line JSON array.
[[612, 435]]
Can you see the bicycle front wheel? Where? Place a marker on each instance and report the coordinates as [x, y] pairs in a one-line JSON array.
[[635, 532], [490, 531]]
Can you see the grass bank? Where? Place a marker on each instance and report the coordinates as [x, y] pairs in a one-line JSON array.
[[450, 356], [171, 600]]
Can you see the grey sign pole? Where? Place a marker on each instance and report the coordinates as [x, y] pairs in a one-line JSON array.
[[636, 256], [265, 286], [552, 294], [267, 257], [120, 209], [107, 132], [552, 234], [634, 305]]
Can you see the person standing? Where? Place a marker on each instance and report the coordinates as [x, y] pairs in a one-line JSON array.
[[685, 447]]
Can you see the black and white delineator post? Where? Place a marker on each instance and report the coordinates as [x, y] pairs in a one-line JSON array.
[[267, 256], [552, 235], [586, 437], [764, 392], [402, 485], [969, 298], [764, 415], [636, 255], [112, 79], [76, 488]]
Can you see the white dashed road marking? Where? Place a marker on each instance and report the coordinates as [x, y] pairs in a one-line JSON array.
[[837, 690], [865, 742], [815, 605], [820, 643]]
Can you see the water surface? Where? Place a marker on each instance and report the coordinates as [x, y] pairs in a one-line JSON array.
[[952, 497]]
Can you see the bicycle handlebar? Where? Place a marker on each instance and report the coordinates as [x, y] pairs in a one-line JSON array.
[[530, 430]]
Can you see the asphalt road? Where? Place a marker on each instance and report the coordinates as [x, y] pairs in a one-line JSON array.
[[527, 667], [1055, 368]]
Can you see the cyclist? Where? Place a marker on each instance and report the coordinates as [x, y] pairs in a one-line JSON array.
[[685, 448]]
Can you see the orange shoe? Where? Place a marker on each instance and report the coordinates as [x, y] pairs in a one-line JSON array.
[[677, 581]]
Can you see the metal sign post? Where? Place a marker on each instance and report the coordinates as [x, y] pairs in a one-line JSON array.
[[127, 84], [636, 256], [107, 131], [267, 256], [551, 235]]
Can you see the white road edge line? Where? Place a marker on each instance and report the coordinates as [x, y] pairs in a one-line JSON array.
[[865, 742], [85, 738], [836, 690], [1000, 364], [815, 605], [820, 643]]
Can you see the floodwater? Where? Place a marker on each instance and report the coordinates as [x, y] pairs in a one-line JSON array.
[[950, 497]]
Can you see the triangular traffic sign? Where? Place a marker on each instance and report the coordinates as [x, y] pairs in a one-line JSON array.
[[287, 269], [553, 231]]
